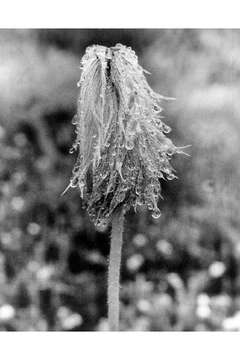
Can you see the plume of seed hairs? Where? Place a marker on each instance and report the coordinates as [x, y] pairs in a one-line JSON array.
[[123, 150]]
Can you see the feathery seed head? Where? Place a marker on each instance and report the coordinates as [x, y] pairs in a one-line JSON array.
[[122, 147]]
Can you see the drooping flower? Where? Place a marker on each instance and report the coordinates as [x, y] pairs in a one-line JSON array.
[[123, 151]]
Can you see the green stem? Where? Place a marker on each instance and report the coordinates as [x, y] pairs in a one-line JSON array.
[[114, 270]]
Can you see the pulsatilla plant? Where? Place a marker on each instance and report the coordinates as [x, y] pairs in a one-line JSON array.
[[123, 150]]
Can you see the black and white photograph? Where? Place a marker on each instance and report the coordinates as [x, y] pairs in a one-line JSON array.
[[119, 180], [94, 184]]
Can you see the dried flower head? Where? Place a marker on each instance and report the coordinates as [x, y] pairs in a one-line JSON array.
[[123, 149]]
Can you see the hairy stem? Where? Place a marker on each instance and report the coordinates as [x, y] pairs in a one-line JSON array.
[[114, 270]]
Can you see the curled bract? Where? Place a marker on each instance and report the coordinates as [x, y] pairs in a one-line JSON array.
[[123, 150]]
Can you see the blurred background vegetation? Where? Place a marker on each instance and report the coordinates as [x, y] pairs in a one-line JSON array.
[[179, 272]]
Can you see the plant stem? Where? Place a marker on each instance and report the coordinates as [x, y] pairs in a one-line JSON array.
[[114, 270]]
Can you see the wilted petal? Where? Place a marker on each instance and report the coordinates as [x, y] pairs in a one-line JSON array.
[[122, 147]]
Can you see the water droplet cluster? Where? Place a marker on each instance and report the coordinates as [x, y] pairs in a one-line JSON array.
[[123, 150]]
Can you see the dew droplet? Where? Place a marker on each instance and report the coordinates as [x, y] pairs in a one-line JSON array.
[[76, 169], [137, 190], [170, 152], [81, 188], [156, 213], [166, 129], [103, 176], [74, 182], [101, 224], [129, 144], [75, 120], [171, 176], [150, 206]]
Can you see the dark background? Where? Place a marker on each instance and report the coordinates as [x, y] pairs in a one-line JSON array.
[[180, 272]]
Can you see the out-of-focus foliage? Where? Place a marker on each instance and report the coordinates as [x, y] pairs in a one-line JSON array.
[[180, 272]]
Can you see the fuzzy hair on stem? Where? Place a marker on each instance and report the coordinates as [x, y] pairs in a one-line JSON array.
[[114, 269]]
